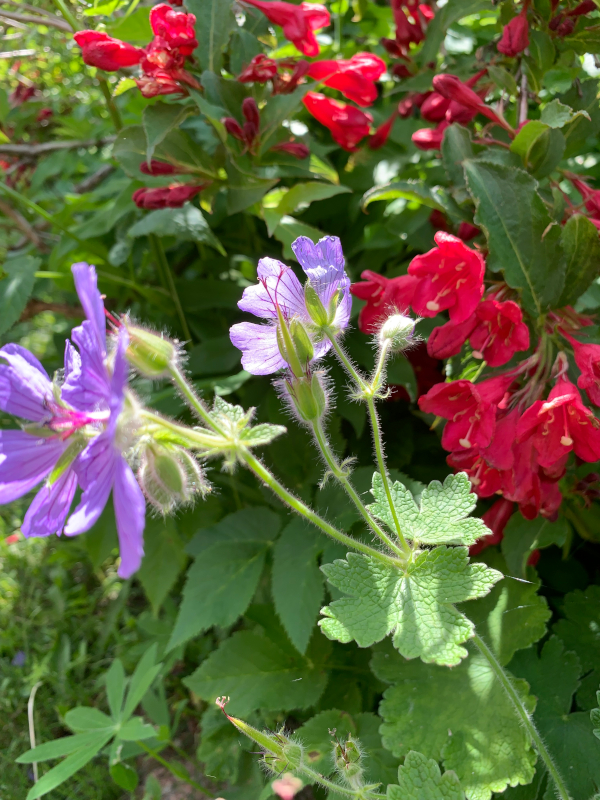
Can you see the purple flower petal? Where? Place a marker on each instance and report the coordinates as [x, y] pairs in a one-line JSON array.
[[86, 283], [258, 343], [95, 470], [278, 286], [25, 461], [24, 384], [130, 513], [48, 512], [87, 385], [72, 360], [323, 263]]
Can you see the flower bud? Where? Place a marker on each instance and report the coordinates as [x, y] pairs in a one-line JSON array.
[[399, 330], [169, 476], [150, 353], [348, 762], [287, 346], [302, 343], [314, 306], [309, 397]]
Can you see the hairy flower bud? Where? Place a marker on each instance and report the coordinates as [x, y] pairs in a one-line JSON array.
[[170, 476], [150, 353], [308, 397], [348, 762], [399, 330]]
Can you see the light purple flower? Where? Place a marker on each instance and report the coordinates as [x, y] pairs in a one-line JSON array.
[[279, 287]]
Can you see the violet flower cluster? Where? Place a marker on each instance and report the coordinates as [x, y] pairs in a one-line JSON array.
[[74, 434]]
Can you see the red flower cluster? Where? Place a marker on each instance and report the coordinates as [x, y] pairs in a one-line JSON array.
[[348, 124], [515, 36], [411, 18], [285, 75], [590, 197], [564, 22], [162, 61], [173, 196], [248, 134], [298, 22]]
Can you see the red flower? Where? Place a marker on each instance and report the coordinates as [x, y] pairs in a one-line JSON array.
[[500, 332], [447, 340], [429, 138], [450, 277], [591, 197], [354, 78], [434, 107], [166, 197], [249, 133], [348, 124], [451, 87], [297, 22], [410, 30], [175, 27], [260, 70], [469, 408], [486, 480], [587, 358], [102, 51], [466, 231], [296, 149], [290, 76], [382, 133], [561, 424], [383, 296], [158, 168], [158, 83], [495, 518], [515, 36]]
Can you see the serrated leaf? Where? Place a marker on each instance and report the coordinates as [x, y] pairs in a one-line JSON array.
[[262, 434], [442, 516], [580, 631], [222, 580], [187, 223], [295, 565], [461, 717], [581, 97], [522, 239], [554, 678], [415, 605], [72, 764], [523, 536], [256, 673], [419, 778], [581, 244], [557, 114], [410, 190], [164, 559]]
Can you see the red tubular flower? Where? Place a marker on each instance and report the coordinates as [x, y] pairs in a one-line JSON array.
[[383, 296], [407, 30], [158, 168], [447, 340], [485, 480], [348, 124], [561, 424], [260, 70], [495, 518], [451, 87], [166, 197], [296, 149], [430, 138], [434, 107], [500, 332], [162, 81], [515, 36], [102, 51], [298, 22], [175, 27], [591, 197], [354, 78], [290, 76], [587, 358], [450, 277], [382, 133], [466, 231]]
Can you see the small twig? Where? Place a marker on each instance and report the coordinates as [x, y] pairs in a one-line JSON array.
[[27, 7], [53, 22], [50, 147], [31, 722], [22, 224], [93, 180]]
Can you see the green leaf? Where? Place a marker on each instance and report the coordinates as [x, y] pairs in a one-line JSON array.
[[261, 435], [417, 191], [278, 109], [512, 616], [135, 729], [451, 12], [301, 195], [416, 605], [580, 631], [581, 244], [582, 97], [85, 718], [115, 688], [134, 27], [214, 23], [540, 145], [59, 747], [158, 120], [16, 285], [557, 114], [503, 79], [295, 564], [187, 224], [213, 356], [523, 536], [420, 779], [221, 582], [595, 717], [456, 148], [523, 241], [129, 149], [461, 717], [554, 678], [442, 517], [541, 49], [72, 764], [257, 673], [124, 776], [164, 559], [141, 680]]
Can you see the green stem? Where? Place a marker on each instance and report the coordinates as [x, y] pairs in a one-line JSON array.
[[163, 264], [316, 777], [360, 381], [563, 792], [339, 474], [157, 757], [259, 469], [192, 399]]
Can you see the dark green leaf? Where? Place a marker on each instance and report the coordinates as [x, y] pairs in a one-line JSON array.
[[581, 244], [420, 777], [582, 97], [411, 190], [158, 120], [115, 688], [451, 12], [214, 23], [213, 357], [164, 558], [557, 114], [187, 223], [16, 285], [302, 195], [580, 631], [124, 776], [523, 536], [67, 768]]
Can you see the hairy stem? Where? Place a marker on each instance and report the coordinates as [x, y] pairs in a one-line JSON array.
[[561, 788], [315, 777], [173, 770], [192, 399], [341, 476], [163, 265], [293, 502]]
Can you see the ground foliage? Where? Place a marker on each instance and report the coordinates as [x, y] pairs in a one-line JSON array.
[[229, 595]]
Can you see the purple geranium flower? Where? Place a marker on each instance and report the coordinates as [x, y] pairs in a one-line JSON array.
[[279, 287]]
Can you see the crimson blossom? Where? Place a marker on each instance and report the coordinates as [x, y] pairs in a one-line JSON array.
[[515, 36], [348, 124], [298, 22], [100, 50], [354, 77]]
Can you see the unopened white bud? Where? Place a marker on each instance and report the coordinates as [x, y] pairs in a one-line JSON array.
[[399, 329]]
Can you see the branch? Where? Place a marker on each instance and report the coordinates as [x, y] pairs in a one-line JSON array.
[[51, 21], [50, 147], [93, 180], [27, 7], [22, 225]]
